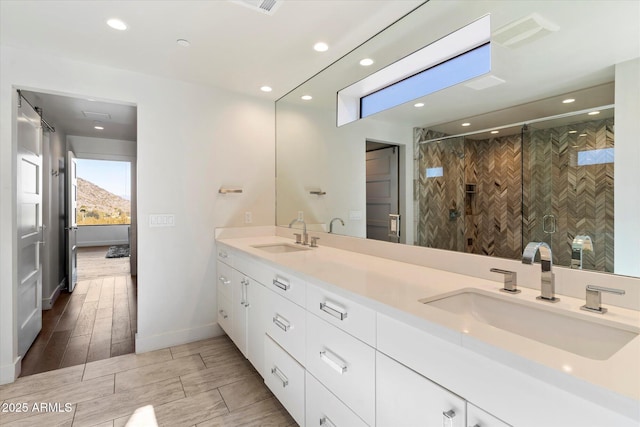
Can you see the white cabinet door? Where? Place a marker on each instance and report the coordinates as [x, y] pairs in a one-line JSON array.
[[239, 311], [405, 398], [255, 297], [476, 417]]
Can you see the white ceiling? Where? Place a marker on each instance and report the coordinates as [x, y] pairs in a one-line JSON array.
[[232, 46]]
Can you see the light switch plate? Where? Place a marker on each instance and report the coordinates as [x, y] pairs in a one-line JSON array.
[[162, 220]]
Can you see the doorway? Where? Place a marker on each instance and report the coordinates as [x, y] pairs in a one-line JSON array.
[[383, 191], [93, 316]]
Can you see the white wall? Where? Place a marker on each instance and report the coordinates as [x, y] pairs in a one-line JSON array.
[[191, 140], [627, 170], [313, 153]]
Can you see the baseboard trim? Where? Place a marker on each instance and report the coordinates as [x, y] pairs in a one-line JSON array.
[[47, 303], [170, 339], [10, 372]]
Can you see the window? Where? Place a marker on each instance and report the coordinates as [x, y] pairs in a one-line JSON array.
[[104, 192]]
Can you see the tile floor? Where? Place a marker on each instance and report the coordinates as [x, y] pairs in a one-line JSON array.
[[206, 383]]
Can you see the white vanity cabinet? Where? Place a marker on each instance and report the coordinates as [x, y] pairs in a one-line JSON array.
[[406, 398], [323, 408], [241, 305]]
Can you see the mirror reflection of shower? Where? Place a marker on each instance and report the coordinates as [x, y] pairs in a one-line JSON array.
[[488, 192]]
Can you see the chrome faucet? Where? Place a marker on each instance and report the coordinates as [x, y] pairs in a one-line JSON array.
[[547, 285], [305, 236], [331, 224], [580, 244]]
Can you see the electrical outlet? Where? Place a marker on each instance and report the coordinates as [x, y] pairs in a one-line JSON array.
[[248, 218], [300, 216]]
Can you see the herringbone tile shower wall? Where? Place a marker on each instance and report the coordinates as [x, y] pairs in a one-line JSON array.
[[485, 204]]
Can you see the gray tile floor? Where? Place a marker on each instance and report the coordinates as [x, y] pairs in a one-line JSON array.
[[206, 383]]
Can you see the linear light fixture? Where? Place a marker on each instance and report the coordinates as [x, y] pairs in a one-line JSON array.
[[472, 39]]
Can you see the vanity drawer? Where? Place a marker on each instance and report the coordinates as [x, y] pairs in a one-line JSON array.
[[343, 313], [224, 277], [285, 378], [344, 364], [283, 284], [224, 255], [325, 409], [224, 313], [286, 324]]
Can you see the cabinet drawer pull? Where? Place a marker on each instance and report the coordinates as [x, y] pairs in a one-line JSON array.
[[447, 418], [282, 377], [224, 280], [334, 310], [281, 283], [325, 421], [223, 313], [281, 322], [337, 365], [223, 254]]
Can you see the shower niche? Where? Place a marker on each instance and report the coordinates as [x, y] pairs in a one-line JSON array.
[[492, 193]]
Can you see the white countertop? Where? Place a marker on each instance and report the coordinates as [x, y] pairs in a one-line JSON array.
[[394, 288]]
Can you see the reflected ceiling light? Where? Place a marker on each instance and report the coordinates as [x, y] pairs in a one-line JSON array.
[[98, 126], [583, 134], [117, 24], [495, 131], [183, 42], [266, 89], [320, 47], [466, 124], [366, 62], [419, 104], [306, 97], [573, 131], [568, 101], [594, 113]]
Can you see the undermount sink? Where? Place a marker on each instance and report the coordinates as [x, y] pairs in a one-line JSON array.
[[280, 248], [547, 325]]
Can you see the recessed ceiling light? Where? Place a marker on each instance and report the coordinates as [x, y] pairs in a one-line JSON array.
[[183, 42], [466, 124], [568, 101], [306, 97], [495, 131], [266, 89], [573, 131], [594, 113], [117, 24], [419, 104], [320, 47], [366, 62]]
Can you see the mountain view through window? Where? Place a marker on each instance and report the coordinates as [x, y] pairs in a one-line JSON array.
[[104, 192]]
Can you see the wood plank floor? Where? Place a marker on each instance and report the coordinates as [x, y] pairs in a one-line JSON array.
[[206, 383], [96, 321]]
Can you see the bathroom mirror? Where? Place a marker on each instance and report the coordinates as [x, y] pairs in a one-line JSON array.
[[543, 53]]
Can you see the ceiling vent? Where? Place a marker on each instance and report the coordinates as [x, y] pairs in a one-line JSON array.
[[268, 7], [523, 31], [96, 116], [485, 82]]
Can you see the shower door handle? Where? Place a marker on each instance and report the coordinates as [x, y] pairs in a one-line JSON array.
[[549, 224]]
